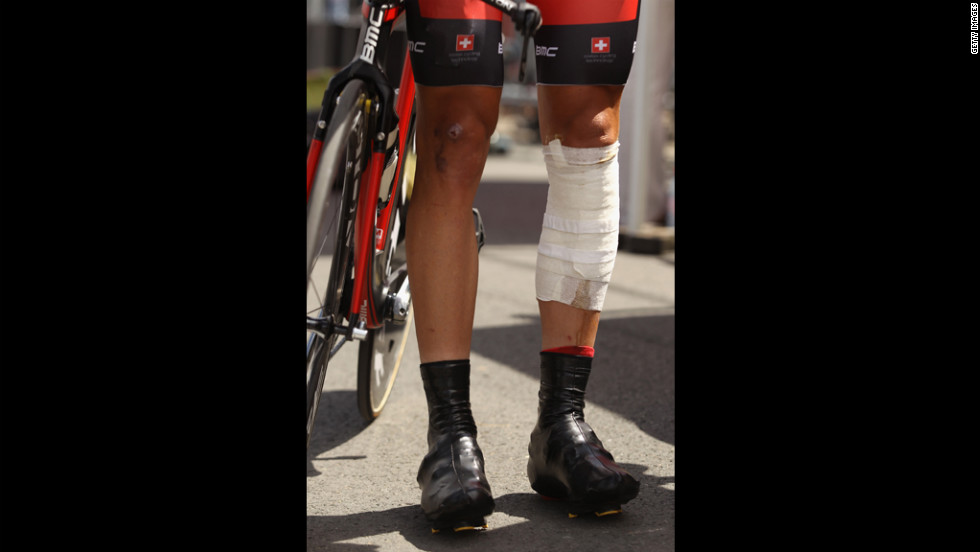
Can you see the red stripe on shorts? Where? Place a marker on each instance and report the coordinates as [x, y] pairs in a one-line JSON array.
[[458, 9], [585, 12]]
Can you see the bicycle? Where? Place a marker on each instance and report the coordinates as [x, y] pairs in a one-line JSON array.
[[362, 142]]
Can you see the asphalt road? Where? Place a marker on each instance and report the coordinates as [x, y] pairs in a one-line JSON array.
[[361, 488]]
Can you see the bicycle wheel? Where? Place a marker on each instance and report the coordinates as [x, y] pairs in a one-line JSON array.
[[330, 221], [380, 354]]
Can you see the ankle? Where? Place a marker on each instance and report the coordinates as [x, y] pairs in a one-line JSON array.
[[577, 350], [447, 392], [564, 378]]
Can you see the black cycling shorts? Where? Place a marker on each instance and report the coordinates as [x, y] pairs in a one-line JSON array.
[[583, 42]]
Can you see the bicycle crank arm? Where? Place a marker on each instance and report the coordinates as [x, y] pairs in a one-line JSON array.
[[399, 297]]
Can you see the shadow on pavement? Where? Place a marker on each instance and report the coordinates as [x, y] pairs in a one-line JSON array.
[[647, 524], [337, 421], [635, 357], [633, 371], [512, 211]]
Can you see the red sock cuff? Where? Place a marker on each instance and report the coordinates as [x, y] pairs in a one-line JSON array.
[[572, 350]]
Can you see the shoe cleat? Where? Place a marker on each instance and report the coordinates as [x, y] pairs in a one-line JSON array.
[[461, 526]]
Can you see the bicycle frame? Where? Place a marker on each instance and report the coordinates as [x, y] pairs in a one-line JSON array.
[[392, 118], [388, 134]]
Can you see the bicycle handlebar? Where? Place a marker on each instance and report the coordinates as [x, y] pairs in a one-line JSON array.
[[527, 21], [526, 16]]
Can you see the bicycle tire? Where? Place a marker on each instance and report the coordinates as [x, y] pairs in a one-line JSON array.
[[342, 161], [380, 354]]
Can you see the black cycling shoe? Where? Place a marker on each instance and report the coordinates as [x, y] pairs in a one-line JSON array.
[[455, 492], [567, 459]]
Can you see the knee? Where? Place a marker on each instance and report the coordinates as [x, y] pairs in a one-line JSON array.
[[462, 130], [457, 144], [580, 116], [452, 140], [588, 129]]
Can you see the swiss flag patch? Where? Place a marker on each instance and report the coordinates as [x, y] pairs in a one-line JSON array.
[[464, 43], [600, 45]]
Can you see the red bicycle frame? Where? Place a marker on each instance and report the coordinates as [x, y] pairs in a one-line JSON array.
[[371, 222], [371, 231]]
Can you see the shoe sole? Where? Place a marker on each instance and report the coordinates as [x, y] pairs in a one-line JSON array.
[[461, 526], [576, 509], [552, 490], [470, 518]]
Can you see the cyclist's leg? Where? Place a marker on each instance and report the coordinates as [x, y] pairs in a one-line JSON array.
[[579, 99], [579, 121], [585, 58], [459, 71], [579, 117], [452, 140]]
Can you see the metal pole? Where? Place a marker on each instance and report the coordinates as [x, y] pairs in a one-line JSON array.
[[642, 183]]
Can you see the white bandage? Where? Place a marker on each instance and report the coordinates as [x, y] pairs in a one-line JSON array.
[[580, 233]]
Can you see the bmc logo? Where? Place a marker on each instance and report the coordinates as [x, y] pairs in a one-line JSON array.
[[375, 19], [546, 51], [464, 43], [600, 45]]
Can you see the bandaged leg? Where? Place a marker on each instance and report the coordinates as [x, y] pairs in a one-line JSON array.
[[580, 233]]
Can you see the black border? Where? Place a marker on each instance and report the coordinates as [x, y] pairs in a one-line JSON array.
[[151, 259]]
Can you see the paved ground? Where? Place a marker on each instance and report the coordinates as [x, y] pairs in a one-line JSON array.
[[361, 487]]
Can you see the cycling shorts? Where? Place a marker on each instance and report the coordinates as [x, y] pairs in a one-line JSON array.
[[582, 42]]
